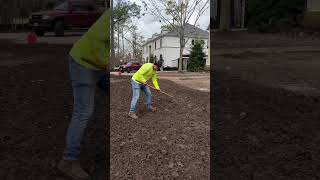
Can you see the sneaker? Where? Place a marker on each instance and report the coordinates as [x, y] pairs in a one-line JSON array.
[[73, 169], [133, 115]]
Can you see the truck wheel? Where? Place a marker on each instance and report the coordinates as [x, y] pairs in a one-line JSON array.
[[59, 29], [39, 32]]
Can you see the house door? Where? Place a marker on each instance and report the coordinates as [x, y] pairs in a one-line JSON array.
[[184, 63]]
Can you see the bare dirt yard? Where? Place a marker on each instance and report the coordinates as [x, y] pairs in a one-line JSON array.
[[36, 104], [172, 143], [266, 107], [198, 81]]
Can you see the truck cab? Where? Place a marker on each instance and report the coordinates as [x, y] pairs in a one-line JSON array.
[[71, 14]]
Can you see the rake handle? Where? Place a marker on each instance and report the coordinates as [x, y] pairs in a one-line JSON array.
[[160, 91]]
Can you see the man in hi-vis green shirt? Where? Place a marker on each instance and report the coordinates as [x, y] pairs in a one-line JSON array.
[[138, 82], [89, 59]]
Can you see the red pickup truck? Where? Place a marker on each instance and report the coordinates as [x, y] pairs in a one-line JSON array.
[[70, 14]]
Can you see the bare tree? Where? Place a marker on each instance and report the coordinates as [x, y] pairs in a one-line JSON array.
[[243, 13], [175, 15], [112, 55], [122, 12], [135, 41], [225, 15]]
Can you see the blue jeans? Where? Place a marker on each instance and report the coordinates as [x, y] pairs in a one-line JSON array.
[[84, 82], [136, 93]]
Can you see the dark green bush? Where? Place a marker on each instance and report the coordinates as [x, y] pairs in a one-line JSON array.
[[196, 59]]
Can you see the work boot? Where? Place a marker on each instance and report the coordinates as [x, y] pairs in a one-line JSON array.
[[73, 169], [133, 115], [152, 109]]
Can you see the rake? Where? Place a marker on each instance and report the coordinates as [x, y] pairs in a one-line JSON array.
[[160, 91]]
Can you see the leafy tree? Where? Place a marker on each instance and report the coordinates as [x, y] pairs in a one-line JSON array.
[[196, 59]]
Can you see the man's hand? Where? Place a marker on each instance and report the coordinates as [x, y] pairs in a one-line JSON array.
[[104, 82]]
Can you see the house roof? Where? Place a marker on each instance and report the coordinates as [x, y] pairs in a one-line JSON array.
[[190, 31]]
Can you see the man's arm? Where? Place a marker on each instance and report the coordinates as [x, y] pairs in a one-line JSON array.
[[155, 81]]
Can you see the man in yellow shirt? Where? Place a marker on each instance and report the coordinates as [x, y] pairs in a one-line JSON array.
[[88, 62], [138, 82]]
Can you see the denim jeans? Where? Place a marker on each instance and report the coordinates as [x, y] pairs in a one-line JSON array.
[[84, 82], [136, 93]]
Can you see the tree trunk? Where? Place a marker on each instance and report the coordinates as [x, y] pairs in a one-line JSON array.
[[243, 13], [225, 15], [181, 54], [112, 57], [118, 55], [122, 42]]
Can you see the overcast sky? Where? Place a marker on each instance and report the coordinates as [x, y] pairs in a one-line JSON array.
[[148, 25]]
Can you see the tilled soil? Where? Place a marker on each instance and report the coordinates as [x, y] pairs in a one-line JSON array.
[[36, 105], [261, 132], [172, 143], [265, 113], [239, 39]]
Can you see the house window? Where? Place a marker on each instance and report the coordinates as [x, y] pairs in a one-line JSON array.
[[150, 49], [160, 43], [192, 42], [155, 44]]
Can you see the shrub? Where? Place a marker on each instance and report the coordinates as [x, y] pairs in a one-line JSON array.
[[196, 59]]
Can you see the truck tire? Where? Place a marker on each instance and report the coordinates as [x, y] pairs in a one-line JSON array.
[[58, 28], [39, 32]]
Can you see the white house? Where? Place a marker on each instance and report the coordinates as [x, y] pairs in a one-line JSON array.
[[166, 45], [312, 14]]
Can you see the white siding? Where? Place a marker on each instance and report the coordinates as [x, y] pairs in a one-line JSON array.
[[170, 41], [208, 52], [313, 5], [170, 50]]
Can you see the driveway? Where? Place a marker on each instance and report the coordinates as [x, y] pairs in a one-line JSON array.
[[49, 38], [197, 81]]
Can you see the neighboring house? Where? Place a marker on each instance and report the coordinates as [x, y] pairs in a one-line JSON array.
[[166, 46], [312, 14]]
